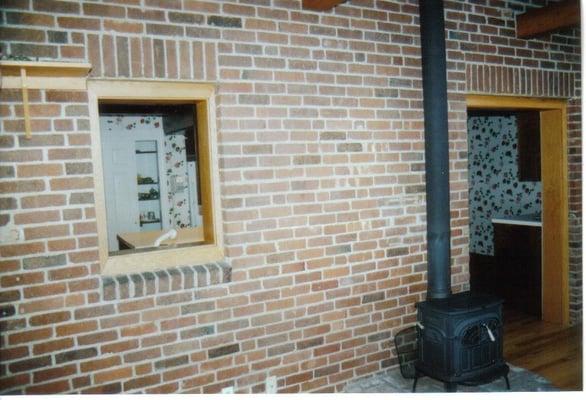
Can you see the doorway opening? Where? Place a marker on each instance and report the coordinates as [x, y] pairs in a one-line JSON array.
[[518, 203]]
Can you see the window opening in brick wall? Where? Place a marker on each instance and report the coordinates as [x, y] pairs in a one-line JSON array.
[[157, 185], [151, 182]]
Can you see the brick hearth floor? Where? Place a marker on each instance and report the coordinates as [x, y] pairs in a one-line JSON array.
[[521, 380]]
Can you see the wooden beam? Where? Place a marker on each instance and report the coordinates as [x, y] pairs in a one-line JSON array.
[[321, 5], [548, 19]]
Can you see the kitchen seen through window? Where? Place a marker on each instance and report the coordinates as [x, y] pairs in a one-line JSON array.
[[151, 176]]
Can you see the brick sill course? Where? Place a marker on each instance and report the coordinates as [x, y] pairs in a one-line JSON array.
[[168, 280]]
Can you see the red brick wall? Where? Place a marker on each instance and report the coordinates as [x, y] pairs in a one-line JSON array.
[[321, 161]]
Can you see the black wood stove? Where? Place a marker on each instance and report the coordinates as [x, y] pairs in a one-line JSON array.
[[459, 336], [460, 340]]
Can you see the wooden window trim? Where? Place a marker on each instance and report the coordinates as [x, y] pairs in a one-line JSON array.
[[143, 91]]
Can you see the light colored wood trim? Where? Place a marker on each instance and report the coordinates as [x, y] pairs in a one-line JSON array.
[[554, 16], [554, 216], [99, 191], [45, 75], [157, 92], [45, 82], [160, 259], [204, 173], [554, 173], [479, 101], [25, 106], [45, 68], [150, 91]]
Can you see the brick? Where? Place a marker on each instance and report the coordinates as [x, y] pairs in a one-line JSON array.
[[52, 346], [78, 168], [123, 26], [49, 388], [16, 250], [71, 183], [43, 261], [66, 96], [103, 363], [8, 203], [22, 35], [31, 50], [57, 37], [48, 304], [103, 10], [110, 388], [94, 312], [76, 328], [30, 364], [13, 353], [10, 187], [7, 311], [74, 355], [7, 171], [197, 307], [78, 23], [46, 232], [62, 7], [37, 170], [54, 373], [171, 362], [310, 343], [164, 30], [227, 22], [224, 350], [119, 346], [43, 201], [9, 296], [36, 217], [185, 18], [44, 290], [30, 19], [372, 297], [6, 142], [138, 383], [139, 330], [30, 336], [117, 374], [69, 154]]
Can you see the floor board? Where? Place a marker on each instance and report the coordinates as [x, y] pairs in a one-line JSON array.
[[550, 350]]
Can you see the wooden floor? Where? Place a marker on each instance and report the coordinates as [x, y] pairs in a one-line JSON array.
[[550, 350]]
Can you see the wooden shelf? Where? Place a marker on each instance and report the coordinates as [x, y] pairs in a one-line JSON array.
[[45, 75]]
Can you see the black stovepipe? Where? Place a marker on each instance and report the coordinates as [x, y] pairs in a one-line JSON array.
[[435, 108]]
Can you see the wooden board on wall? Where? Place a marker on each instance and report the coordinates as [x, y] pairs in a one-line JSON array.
[[554, 217]]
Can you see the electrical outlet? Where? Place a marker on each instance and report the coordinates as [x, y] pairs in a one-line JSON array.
[[228, 390], [11, 234], [271, 384]]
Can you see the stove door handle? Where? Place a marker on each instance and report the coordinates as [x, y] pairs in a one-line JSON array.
[[420, 325], [490, 334]]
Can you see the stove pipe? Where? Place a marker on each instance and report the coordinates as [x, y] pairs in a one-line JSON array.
[[435, 109]]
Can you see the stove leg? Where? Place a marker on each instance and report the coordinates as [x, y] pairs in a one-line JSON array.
[[451, 386], [414, 383], [507, 381]]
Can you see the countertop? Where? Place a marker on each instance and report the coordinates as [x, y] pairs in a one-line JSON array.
[[140, 240], [526, 219]]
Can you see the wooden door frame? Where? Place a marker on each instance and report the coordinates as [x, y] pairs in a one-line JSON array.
[[555, 246]]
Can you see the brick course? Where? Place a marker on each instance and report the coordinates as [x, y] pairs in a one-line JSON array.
[[322, 190]]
